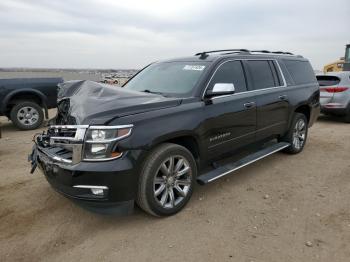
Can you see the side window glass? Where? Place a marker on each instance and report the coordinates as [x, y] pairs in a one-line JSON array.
[[301, 71], [279, 76], [230, 73], [261, 74]]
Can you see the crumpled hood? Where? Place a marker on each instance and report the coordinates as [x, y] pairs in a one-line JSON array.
[[96, 103]]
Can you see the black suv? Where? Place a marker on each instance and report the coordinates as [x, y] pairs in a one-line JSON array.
[[174, 123]]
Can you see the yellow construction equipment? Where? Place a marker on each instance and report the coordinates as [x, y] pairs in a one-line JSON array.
[[334, 67], [343, 64]]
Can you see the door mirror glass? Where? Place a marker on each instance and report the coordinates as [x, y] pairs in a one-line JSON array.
[[220, 89]]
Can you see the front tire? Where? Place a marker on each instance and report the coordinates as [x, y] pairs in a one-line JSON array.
[[27, 115], [166, 180], [297, 134]]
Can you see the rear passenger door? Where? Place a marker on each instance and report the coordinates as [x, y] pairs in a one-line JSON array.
[[231, 119], [268, 85]]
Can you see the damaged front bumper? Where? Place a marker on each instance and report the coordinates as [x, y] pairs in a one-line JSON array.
[[95, 185]]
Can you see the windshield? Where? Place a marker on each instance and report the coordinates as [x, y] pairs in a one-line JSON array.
[[168, 78]]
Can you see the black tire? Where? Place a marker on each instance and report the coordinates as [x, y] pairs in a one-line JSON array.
[[347, 116], [151, 169], [296, 147], [37, 115]]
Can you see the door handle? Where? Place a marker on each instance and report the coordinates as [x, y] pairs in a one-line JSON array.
[[249, 104], [283, 97]]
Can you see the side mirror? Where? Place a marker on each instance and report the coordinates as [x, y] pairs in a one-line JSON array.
[[221, 89]]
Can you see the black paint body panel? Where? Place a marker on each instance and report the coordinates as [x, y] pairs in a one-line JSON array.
[[216, 125]]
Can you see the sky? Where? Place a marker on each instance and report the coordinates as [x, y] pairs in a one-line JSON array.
[[133, 33]]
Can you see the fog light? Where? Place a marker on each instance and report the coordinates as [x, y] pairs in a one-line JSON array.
[[97, 191]]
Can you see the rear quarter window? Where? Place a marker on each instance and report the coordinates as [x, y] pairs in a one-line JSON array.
[[328, 80], [300, 71]]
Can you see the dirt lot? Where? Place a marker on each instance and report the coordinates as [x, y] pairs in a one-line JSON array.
[[283, 208]]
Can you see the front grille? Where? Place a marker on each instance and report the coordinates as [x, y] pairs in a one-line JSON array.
[[62, 132], [63, 143]]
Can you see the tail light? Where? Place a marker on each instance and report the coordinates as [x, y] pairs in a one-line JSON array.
[[334, 89]]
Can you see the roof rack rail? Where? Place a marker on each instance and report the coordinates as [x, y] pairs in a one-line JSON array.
[[223, 50], [260, 51], [205, 54], [283, 53]]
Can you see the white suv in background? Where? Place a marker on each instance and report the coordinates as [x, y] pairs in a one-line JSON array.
[[335, 93]]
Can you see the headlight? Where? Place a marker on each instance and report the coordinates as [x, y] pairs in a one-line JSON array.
[[101, 142], [98, 134]]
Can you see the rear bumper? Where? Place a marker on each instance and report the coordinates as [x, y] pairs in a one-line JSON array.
[[116, 178], [334, 108]]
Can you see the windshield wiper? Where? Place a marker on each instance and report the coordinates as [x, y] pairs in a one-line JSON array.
[[152, 92]]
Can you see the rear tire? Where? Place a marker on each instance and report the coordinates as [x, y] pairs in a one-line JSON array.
[[166, 180], [347, 116], [27, 115], [297, 134]]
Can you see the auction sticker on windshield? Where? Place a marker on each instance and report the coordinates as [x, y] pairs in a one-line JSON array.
[[194, 67]]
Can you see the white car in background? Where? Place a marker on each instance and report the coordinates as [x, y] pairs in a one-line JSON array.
[[335, 93]]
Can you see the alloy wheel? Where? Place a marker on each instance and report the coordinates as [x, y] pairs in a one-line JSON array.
[[299, 134], [172, 181], [27, 115]]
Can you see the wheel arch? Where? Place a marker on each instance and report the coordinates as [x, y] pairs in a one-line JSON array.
[[189, 141], [305, 110], [24, 95]]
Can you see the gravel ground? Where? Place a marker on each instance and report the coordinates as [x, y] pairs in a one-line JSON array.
[[282, 208]]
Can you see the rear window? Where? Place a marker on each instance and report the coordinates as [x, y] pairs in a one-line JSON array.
[[300, 71], [328, 80]]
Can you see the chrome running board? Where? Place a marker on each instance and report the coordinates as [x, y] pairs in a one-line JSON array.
[[226, 169]]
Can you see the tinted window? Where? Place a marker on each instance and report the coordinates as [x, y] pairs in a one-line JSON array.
[[327, 80], [300, 71], [170, 78], [261, 74], [279, 76], [230, 72]]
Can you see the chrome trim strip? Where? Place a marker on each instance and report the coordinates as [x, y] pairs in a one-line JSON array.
[[75, 143], [65, 138], [232, 60], [69, 126], [109, 140], [110, 127], [91, 187], [250, 162], [54, 157], [280, 69], [102, 159], [105, 141], [251, 91], [60, 159]]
